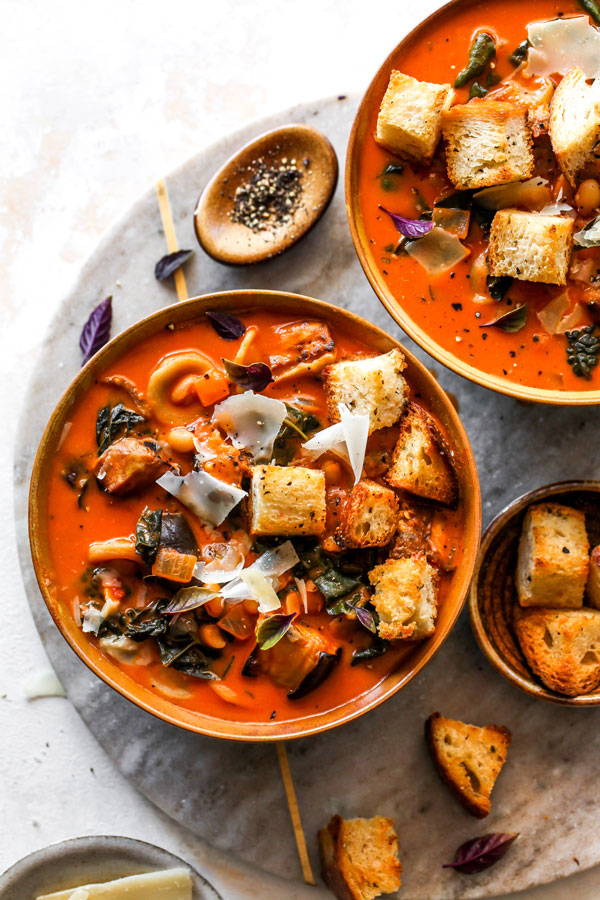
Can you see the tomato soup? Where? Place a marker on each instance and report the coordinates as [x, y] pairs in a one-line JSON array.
[[454, 307]]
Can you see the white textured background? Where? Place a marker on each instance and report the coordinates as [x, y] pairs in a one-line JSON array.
[[97, 99]]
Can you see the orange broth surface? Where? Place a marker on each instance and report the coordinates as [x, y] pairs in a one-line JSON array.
[[71, 530], [443, 305]]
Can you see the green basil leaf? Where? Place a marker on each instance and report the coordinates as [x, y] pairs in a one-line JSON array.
[[272, 629]]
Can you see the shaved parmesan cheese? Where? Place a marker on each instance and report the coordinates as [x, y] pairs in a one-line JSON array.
[[261, 590], [269, 565], [221, 569], [356, 433], [562, 44], [43, 684], [168, 884], [301, 585], [347, 437], [555, 209], [554, 315], [437, 251], [534, 193], [588, 236], [91, 619], [124, 650], [206, 496], [252, 421]]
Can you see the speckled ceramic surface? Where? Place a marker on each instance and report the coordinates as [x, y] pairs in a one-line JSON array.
[[87, 860], [231, 795]]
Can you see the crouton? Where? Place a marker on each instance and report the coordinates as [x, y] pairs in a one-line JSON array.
[[359, 857], [530, 247], [405, 598], [593, 582], [562, 647], [413, 531], [374, 385], [553, 561], [487, 142], [421, 459], [287, 500], [468, 758], [369, 516], [575, 126], [410, 116], [129, 465]]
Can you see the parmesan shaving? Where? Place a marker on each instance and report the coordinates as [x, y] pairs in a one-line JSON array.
[[252, 421], [437, 251], [261, 590], [348, 438], [206, 496], [269, 565], [562, 44], [301, 585], [43, 683], [588, 236]]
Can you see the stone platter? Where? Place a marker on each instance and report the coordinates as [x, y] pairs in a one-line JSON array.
[[230, 794]]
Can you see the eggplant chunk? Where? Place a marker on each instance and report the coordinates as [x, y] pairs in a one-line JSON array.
[[128, 465], [299, 662], [176, 534]]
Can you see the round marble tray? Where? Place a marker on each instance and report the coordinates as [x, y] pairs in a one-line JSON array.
[[231, 794]]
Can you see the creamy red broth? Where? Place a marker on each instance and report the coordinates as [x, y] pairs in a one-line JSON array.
[[103, 516], [443, 305]]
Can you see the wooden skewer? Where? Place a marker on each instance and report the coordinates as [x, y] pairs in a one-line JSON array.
[[294, 809], [166, 215]]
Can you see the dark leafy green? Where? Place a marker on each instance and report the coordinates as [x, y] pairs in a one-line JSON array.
[[333, 584], [583, 351], [147, 534], [296, 428], [480, 853], [377, 648], [498, 285], [272, 629], [114, 422], [592, 8], [386, 178], [189, 659], [477, 90], [511, 321], [145, 628], [519, 54], [168, 265], [481, 52]]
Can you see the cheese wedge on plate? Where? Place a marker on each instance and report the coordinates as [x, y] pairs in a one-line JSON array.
[[169, 884]]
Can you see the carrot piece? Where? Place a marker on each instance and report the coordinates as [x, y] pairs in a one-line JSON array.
[[211, 387], [173, 565], [293, 603]]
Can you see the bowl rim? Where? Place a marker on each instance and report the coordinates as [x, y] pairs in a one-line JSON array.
[[531, 686], [360, 240], [187, 311]]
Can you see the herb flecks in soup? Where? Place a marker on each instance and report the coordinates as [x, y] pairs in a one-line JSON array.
[[253, 516], [479, 188]]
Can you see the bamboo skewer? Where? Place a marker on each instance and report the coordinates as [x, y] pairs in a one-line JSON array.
[[164, 205]]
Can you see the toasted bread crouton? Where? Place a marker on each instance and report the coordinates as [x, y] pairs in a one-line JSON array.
[[562, 647], [410, 116], [593, 582], [287, 500], [128, 465], [530, 247], [487, 142], [421, 459], [405, 598], [575, 126], [359, 857], [553, 562], [413, 531], [374, 385], [369, 516], [469, 758]]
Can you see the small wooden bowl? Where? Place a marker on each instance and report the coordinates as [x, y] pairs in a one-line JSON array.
[[493, 595], [237, 245], [422, 382], [364, 249]]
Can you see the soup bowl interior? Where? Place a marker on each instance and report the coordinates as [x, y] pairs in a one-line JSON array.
[[493, 595], [444, 21], [423, 385]]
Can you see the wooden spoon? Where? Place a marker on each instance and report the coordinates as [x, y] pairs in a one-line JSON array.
[[290, 147]]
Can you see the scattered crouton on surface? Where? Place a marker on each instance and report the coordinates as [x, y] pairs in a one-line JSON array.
[[374, 385], [593, 583], [287, 500], [469, 758], [575, 126], [420, 461], [487, 142], [530, 247], [553, 561], [369, 516], [359, 857], [410, 117], [562, 647], [405, 598]]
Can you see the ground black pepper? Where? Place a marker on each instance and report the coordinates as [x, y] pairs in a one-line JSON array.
[[270, 196]]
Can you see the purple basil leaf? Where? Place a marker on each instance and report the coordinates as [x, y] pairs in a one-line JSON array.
[[365, 617], [480, 853], [96, 331], [227, 326], [410, 228], [254, 377], [272, 629], [169, 264], [510, 321]]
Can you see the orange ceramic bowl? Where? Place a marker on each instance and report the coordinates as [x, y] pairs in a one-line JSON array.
[[423, 383], [447, 26]]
